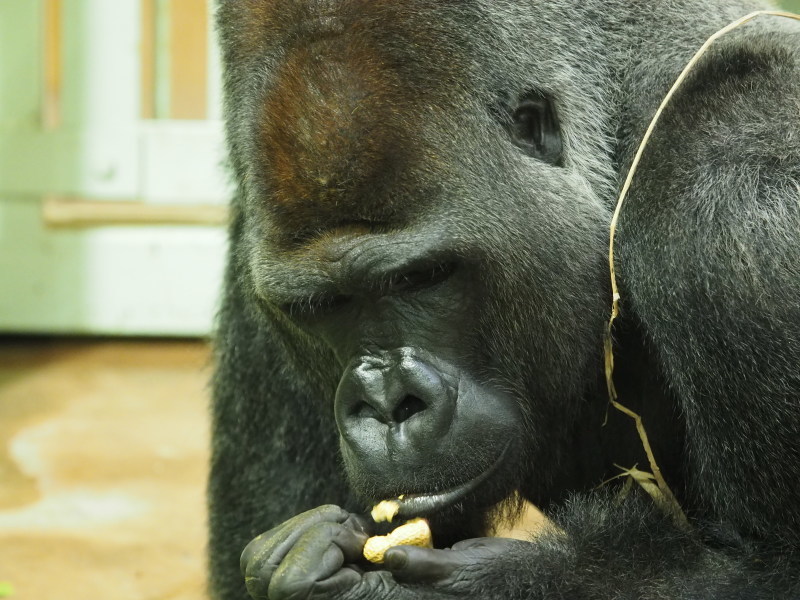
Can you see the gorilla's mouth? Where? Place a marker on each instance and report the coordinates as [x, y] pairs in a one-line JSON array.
[[425, 504]]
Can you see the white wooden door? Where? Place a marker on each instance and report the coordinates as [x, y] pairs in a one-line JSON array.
[[112, 193]]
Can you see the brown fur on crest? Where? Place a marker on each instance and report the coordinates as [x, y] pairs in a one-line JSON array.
[[329, 135], [333, 129]]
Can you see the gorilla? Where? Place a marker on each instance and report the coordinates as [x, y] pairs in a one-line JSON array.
[[418, 290]]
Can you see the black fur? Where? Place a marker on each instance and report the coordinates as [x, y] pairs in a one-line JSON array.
[[709, 262]]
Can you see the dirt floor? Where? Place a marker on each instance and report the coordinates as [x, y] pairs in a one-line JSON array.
[[103, 459]]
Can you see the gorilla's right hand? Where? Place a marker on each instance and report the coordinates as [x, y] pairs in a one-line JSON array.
[[311, 555]]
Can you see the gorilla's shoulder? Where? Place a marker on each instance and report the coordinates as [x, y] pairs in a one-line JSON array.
[[763, 65], [741, 60], [737, 107]]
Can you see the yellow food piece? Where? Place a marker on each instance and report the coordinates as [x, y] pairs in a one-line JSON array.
[[385, 511], [416, 532]]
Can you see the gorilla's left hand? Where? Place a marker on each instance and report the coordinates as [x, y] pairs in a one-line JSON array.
[[318, 554]]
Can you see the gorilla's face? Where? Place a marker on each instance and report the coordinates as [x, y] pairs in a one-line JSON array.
[[416, 413], [413, 208]]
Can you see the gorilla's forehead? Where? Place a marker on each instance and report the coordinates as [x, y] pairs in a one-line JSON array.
[[356, 112], [410, 28], [357, 98], [334, 130], [477, 32]]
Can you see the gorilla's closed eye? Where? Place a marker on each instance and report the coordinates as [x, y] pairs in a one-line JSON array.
[[532, 124], [419, 278], [412, 280]]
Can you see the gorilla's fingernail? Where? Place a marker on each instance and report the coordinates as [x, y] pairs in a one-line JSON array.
[[395, 559]]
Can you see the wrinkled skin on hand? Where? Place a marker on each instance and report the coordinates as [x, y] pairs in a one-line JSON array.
[[317, 554]]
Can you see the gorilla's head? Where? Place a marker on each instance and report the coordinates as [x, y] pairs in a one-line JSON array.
[[430, 220]]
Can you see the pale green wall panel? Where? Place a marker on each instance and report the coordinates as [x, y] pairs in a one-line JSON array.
[[20, 54]]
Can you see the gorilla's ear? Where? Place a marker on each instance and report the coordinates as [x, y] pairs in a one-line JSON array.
[[532, 125]]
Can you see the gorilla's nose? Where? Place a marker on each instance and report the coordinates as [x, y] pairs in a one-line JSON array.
[[395, 403]]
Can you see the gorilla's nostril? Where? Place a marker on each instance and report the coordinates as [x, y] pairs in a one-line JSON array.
[[365, 411], [410, 406]]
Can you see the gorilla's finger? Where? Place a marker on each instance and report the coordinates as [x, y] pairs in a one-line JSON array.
[[265, 552], [257, 588], [411, 563], [315, 560], [360, 524], [344, 579]]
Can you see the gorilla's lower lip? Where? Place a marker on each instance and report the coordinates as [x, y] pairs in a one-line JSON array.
[[419, 505]]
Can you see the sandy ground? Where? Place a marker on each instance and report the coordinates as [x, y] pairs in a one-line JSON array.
[[103, 458]]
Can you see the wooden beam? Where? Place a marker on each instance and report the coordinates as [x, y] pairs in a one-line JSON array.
[[60, 211]]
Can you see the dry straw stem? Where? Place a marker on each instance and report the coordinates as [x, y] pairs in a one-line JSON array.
[[665, 492], [647, 482]]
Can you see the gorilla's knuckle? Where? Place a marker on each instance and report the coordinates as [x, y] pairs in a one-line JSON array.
[[262, 569], [256, 587], [247, 555], [322, 532], [290, 584]]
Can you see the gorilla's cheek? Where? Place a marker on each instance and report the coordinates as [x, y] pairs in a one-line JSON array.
[[413, 424]]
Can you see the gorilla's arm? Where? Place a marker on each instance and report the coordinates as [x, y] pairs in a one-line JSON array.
[[609, 550]]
